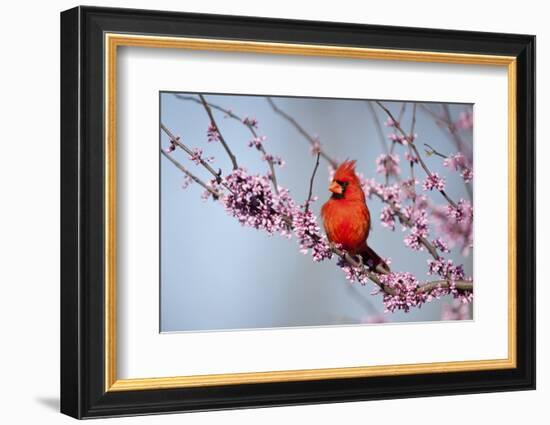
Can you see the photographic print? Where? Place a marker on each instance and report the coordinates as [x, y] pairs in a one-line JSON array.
[[310, 226], [302, 211]]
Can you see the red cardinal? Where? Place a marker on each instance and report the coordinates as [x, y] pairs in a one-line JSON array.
[[346, 217]]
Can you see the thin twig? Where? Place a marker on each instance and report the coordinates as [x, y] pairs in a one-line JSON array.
[[378, 127], [308, 201], [222, 140], [411, 137], [312, 141], [402, 111], [219, 108], [416, 152], [176, 140], [432, 151], [413, 123], [214, 192]]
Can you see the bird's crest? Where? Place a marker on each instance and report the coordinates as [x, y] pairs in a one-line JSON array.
[[346, 171]]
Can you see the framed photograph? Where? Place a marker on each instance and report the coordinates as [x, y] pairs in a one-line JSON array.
[[261, 212]]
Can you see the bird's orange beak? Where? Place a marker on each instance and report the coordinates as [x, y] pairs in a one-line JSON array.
[[335, 188]]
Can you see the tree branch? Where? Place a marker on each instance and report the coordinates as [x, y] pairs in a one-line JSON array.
[[308, 201], [411, 137], [416, 152], [214, 192], [222, 140], [378, 127], [461, 285]]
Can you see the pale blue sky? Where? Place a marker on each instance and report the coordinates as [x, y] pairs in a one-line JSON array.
[[216, 274]]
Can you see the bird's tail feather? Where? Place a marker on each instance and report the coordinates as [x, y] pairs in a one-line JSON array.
[[374, 261]]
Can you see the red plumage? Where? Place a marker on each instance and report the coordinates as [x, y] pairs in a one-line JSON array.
[[346, 216]]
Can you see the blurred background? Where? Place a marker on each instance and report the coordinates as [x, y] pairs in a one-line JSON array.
[[217, 274]]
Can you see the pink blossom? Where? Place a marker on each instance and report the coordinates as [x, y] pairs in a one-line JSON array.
[[369, 186], [409, 186], [171, 148], [455, 162], [250, 122], [277, 160], [196, 155], [397, 138], [441, 245], [309, 236], [433, 181], [404, 286], [406, 295], [353, 274], [391, 194], [446, 269], [401, 139], [390, 122], [187, 180], [419, 229], [257, 142], [458, 162], [253, 204], [212, 133], [467, 174], [455, 226], [387, 217], [388, 164], [214, 185], [411, 158], [463, 212]]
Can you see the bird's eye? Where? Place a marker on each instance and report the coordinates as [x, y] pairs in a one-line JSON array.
[[342, 183]]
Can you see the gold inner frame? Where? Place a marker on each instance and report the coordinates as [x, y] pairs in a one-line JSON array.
[[113, 41]]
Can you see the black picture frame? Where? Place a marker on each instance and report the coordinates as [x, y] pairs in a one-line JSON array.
[[83, 392]]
